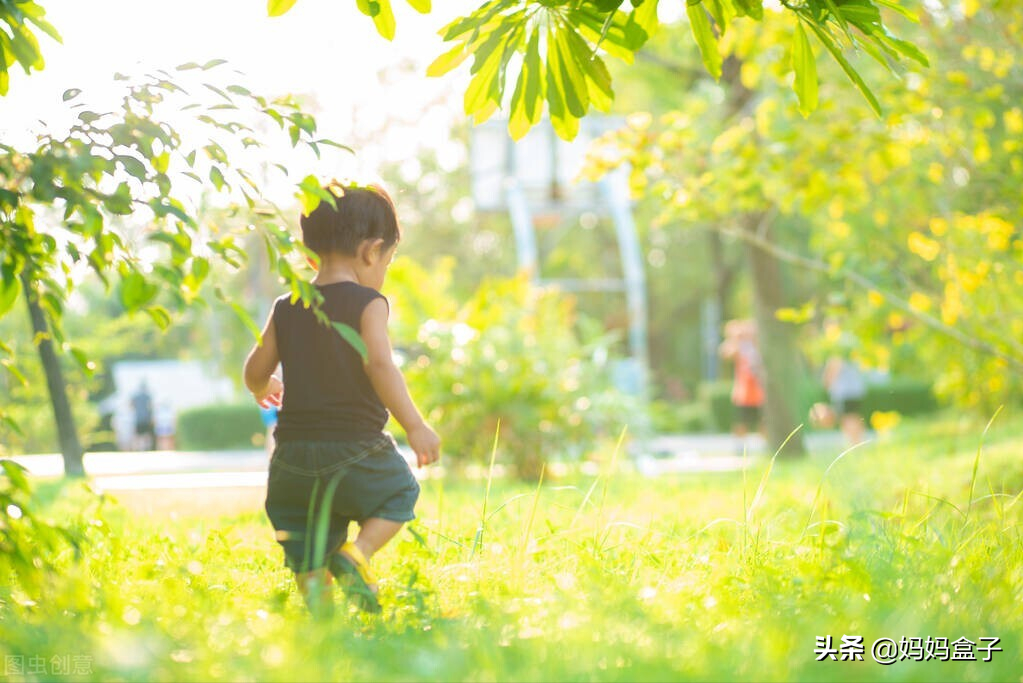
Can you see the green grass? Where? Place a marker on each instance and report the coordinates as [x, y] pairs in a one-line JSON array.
[[726, 576]]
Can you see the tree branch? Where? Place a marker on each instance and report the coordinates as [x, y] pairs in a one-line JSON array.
[[1014, 360]]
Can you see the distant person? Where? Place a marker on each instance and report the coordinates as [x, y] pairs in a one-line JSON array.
[[846, 388], [740, 347], [329, 433], [145, 423]]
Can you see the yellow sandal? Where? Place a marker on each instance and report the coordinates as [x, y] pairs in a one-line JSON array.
[[353, 573]]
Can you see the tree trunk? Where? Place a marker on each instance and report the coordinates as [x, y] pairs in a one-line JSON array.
[[70, 446], [781, 361]]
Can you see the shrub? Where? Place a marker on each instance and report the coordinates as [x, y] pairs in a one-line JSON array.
[[717, 396], [219, 427], [515, 354], [903, 395], [680, 418]]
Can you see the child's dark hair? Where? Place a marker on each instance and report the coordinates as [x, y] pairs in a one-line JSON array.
[[363, 212]]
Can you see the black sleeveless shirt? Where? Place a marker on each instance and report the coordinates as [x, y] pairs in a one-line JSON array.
[[327, 393]]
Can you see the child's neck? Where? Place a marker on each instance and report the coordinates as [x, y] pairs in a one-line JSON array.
[[336, 268]]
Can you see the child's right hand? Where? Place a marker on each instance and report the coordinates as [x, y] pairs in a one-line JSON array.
[[425, 443], [272, 395]]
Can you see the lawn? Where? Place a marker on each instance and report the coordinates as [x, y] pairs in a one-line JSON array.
[[718, 576]]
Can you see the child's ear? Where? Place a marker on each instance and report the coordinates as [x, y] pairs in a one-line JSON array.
[[371, 250]]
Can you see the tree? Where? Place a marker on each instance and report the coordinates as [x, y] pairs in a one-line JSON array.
[[63, 207], [911, 218]]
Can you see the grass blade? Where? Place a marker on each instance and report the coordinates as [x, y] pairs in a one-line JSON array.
[[486, 495], [976, 465], [523, 548]]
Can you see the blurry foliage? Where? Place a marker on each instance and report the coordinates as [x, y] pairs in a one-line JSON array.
[[220, 427], [512, 354], [106, 198], [931, 286], [32, 543]]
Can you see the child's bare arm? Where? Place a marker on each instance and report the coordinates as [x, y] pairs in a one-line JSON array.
[[390, 385], [259, 367]]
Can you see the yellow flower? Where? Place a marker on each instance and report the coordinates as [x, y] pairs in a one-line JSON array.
[[884, 421], [919, 302], [923, 246], [1013, 121], [938, 226], [875, 299]]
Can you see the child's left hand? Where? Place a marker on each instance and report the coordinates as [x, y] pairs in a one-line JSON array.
[[272, 395]]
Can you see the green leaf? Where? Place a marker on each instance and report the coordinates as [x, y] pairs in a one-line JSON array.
[[352, 337], [564, 124], [13, 369], [136, 291], [705, 40], [601, 95], [805, 66], [18, 474], [750, 8], [244, 316], [478, 93], [71, 94], [382, 15], [865, 15], [160, 316], [857, 80], [9, 288], [526, 104], [904, 47], [448, 61], [87, 366], [276, 8], [894, 5], [570, 77], [217, 178]]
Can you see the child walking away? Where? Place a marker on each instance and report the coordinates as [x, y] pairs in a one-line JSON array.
[[333, 463]]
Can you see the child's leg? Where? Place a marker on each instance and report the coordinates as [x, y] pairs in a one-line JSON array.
[[317, 591], [374, 533]]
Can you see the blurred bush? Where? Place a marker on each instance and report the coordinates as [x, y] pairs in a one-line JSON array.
[[31, 544], [219, 427], [717, 396], [680, 418], [511, 353], [903, 395]]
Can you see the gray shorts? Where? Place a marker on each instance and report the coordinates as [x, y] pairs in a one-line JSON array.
[[315, 489]]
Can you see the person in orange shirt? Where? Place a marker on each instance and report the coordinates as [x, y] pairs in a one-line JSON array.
[[740, 347]]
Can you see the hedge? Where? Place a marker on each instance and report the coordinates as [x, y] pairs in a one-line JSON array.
[[903, 395], [219, 427]]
